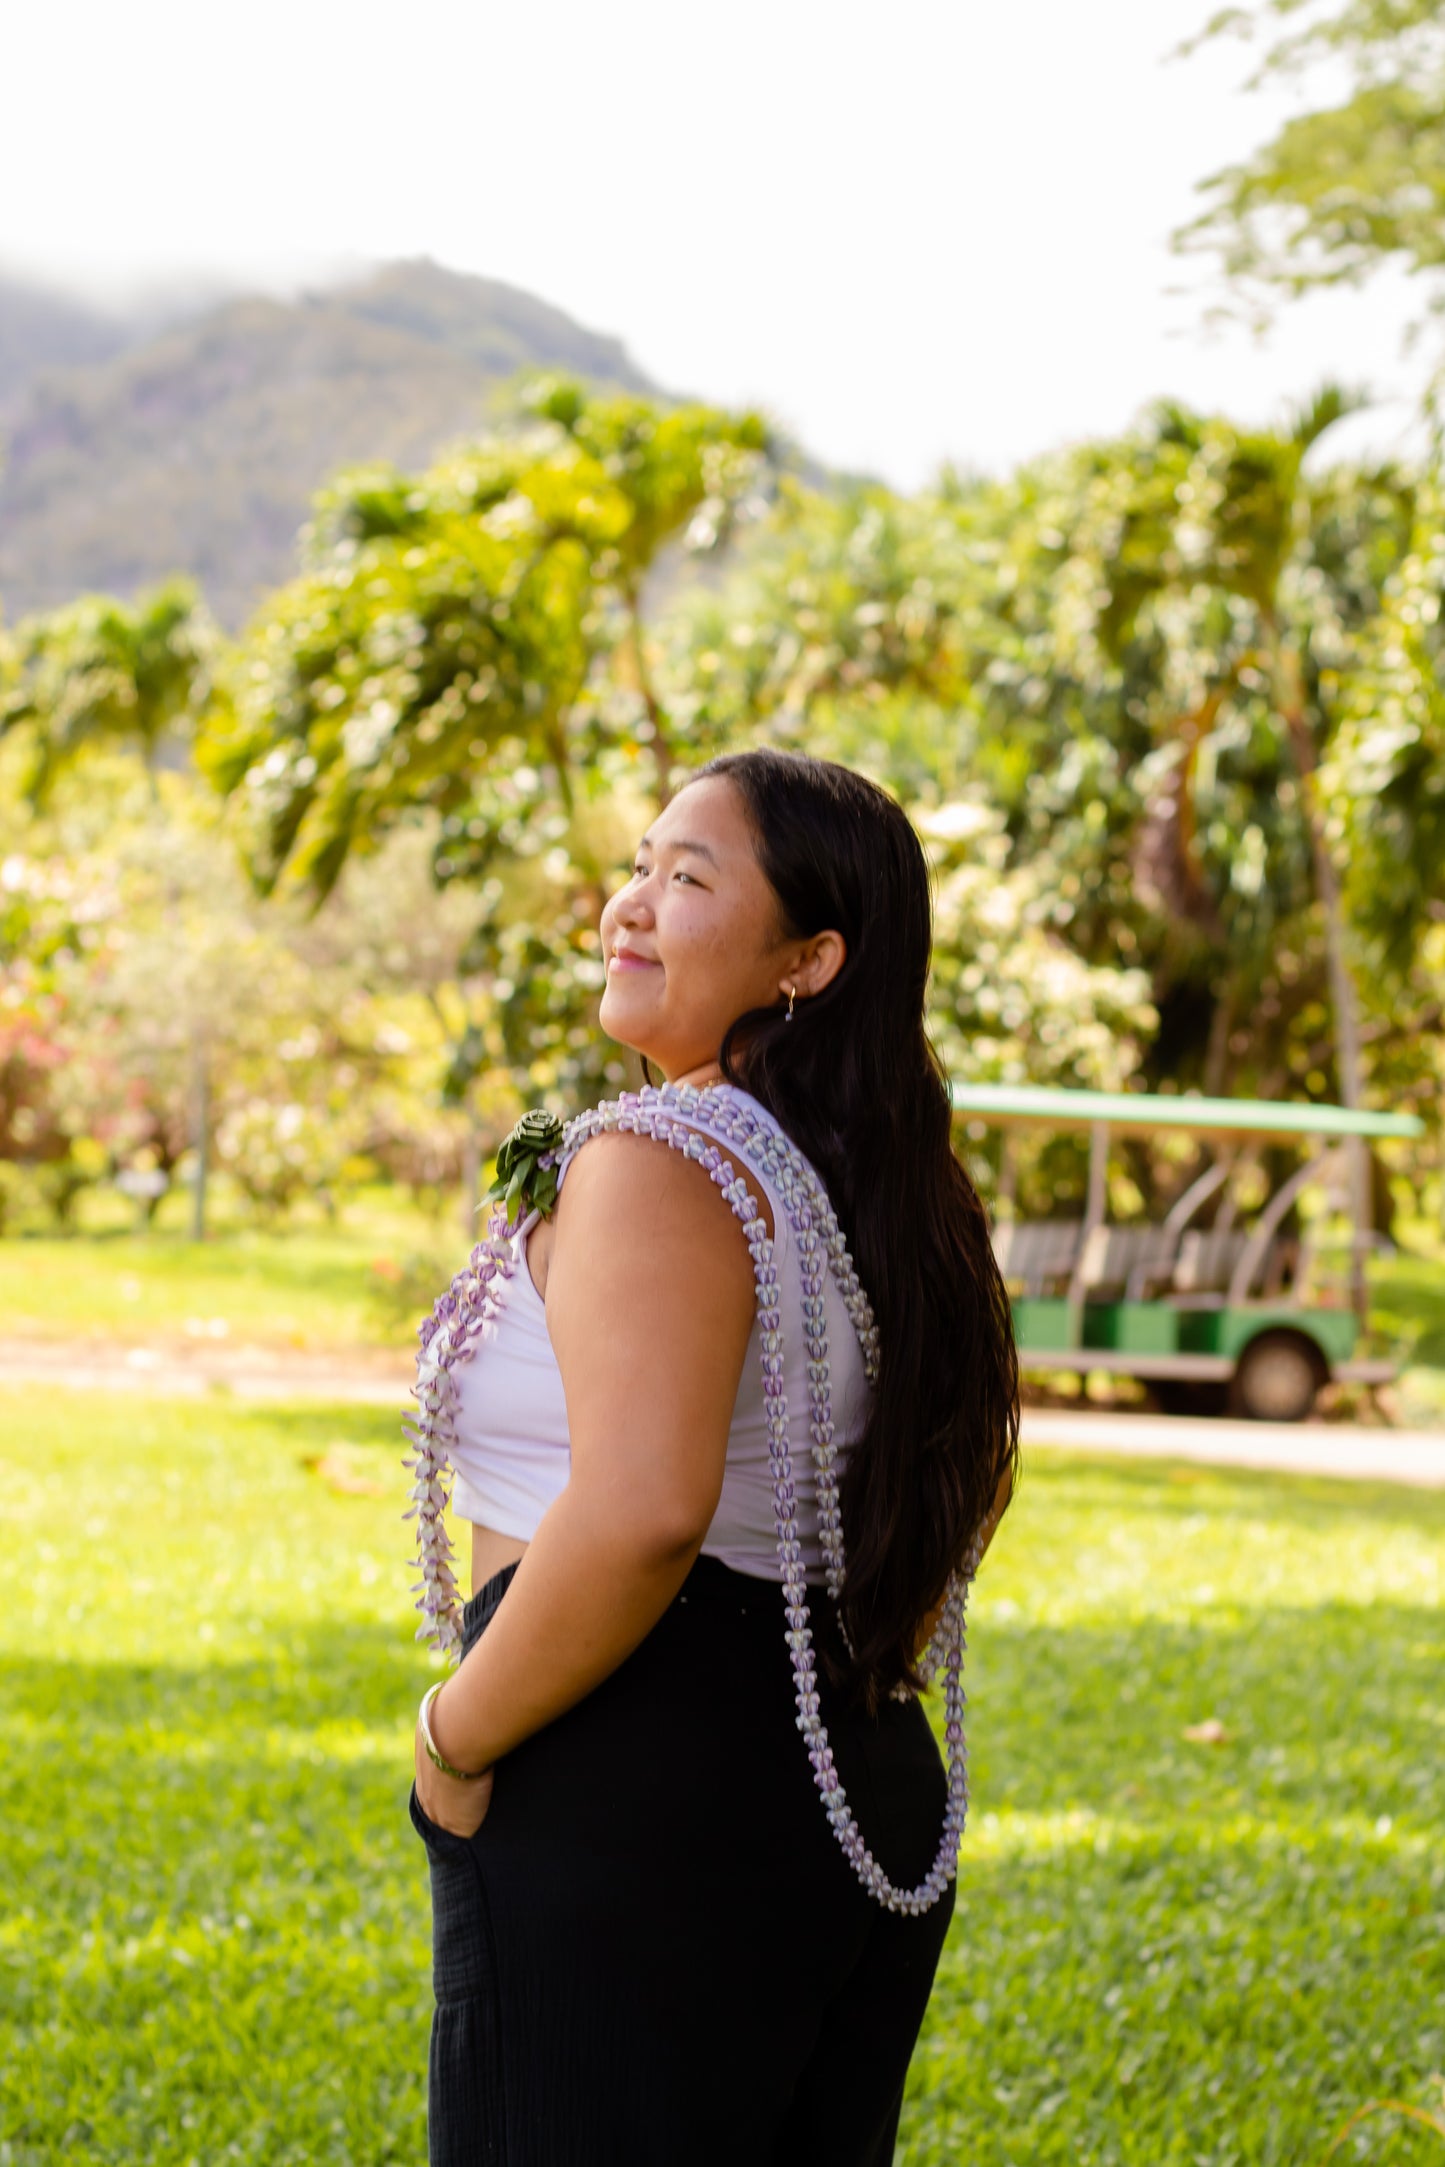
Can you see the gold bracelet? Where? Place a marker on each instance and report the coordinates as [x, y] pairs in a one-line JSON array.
[[459, 1775]]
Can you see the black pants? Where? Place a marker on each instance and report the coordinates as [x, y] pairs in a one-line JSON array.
[[654, 1953]]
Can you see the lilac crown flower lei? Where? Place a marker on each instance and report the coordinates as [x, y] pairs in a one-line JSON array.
[[450, 1336]]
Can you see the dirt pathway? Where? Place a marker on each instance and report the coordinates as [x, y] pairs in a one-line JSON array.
[[1343, 1449], [184, 1368], [375, 1379]]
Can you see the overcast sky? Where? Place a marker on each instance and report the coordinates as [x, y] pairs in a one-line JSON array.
[[922, 231]]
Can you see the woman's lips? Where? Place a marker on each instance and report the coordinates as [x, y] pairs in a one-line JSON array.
[[621, 960]]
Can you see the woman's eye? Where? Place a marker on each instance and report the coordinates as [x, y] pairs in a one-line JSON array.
[[641, 871]]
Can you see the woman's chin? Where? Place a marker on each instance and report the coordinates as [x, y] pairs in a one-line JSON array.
[[612, 1015], [626, 1029]]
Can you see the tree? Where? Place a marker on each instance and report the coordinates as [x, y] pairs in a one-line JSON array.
[[440, 649], [470, 646], [103, 673], [1337, 193], [1138, 652], [1226, 592], [1385, 776], [129, 934]]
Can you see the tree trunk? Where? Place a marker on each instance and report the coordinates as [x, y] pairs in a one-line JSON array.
[[200, 1135], [1343, 999], [1216, 1053], [662, 751]]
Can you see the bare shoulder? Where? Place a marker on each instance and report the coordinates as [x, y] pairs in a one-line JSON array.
[[640, 1173], [649, 1270], [620, 1188]]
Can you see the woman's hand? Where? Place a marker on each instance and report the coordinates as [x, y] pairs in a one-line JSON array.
[[458, 1807]]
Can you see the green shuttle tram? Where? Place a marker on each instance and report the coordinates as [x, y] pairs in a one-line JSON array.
[[1229, 1315]]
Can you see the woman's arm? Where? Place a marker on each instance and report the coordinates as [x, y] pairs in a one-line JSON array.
[[649, 1307]]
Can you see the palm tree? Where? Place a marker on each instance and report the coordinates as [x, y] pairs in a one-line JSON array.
[[101, 671]]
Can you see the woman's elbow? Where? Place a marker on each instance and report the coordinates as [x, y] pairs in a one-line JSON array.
[[672, 1530], [658, 1525]]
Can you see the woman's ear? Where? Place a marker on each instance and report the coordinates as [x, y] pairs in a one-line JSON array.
[[818, 964]]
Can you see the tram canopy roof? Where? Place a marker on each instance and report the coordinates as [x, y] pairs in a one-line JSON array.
[[1017, 1105]]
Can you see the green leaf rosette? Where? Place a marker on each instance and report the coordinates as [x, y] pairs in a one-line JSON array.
[[526, 1171]]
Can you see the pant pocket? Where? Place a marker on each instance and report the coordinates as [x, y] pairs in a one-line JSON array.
[[438, 1840], [465, 2093]]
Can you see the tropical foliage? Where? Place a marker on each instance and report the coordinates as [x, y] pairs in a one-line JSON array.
[[1338, 192], [1165, 708], [157, 1021], [102, 673]]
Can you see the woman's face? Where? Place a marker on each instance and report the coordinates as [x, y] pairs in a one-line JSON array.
[[695, 938]]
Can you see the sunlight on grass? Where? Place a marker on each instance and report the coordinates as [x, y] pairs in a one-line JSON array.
[[1184, 1952], [365, 1278], [213, 1934], [362, 1283]]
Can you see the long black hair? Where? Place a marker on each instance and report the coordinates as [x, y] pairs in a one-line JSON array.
[[856, 1083]]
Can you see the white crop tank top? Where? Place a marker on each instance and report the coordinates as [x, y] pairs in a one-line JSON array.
[[512, 1454]]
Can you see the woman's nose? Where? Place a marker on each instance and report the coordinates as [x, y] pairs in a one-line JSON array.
[[633, 906]]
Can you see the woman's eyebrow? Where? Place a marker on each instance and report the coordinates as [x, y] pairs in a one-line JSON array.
[[699, 850]]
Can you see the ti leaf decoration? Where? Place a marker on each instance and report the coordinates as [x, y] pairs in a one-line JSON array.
[[526, 1165]]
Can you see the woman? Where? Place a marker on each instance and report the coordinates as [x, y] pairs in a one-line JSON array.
[[691, 1841]]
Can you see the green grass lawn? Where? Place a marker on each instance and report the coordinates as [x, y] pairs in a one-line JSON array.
[[364, 1281], [361, 1283], [213, 1912]]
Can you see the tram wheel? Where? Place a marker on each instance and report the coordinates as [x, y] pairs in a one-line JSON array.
[[1277, 1379]]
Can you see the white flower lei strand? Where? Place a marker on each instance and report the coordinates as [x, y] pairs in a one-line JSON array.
[[450, 1336]]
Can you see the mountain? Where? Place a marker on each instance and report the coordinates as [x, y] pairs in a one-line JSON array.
[[197, 448], [42, 330]]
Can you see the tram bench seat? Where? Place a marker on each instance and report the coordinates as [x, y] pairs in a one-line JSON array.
[[1130, 1260], [1206, 1261], [1037, 1255], [1139, 1263]]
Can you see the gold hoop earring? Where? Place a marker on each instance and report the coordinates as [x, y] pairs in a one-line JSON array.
[[792, 996]]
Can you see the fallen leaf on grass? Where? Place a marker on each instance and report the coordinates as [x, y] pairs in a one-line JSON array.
[[1210, 1732], [335, 1468]]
